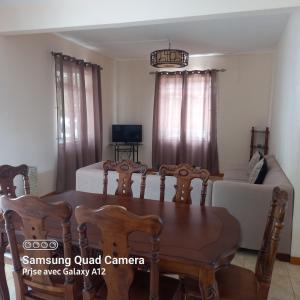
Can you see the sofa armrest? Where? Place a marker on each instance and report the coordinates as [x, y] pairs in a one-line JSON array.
[[249, 204]]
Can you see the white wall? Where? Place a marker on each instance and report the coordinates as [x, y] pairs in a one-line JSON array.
[[243, 101], [28, 105], [55, 15], [285, 115]]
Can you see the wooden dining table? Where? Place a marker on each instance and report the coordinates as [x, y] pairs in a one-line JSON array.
[[195, 242]]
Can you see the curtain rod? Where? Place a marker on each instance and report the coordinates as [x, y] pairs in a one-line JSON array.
[[218, 70], [74, 58]]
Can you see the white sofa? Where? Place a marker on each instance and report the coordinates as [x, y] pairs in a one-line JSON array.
[[250, 203], [90, 179]]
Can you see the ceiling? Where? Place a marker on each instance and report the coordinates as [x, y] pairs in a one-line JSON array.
[[229, 34]]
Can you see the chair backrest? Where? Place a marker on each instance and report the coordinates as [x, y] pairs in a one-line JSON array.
[[116, 224], [268, 251], [184, 174], [32, 213], [7, 175], [125, 169]]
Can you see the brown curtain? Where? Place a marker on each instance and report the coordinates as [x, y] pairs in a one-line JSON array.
[[184, 119], [79, 117]]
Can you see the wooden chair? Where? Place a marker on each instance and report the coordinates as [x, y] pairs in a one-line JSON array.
[[237, 283], [121, 281], [184, 174], [32, 213], [7, 175], [125, 169]]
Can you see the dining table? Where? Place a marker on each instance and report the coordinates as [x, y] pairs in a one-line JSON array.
[[196, 241]]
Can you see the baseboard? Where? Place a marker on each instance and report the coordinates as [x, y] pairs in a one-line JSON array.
[[280, 256], [295, 260], [283, 257], [49, 194], [217, 174]]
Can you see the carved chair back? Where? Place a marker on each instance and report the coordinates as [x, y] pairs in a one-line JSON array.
[[268, 251], [184, 174], [125, 169], [7, 175], [33, 213], [116, 224]]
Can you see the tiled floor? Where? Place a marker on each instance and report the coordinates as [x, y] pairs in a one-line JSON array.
[[285, 280]]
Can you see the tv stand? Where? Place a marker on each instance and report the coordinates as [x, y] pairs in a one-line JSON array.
[[131, 148]]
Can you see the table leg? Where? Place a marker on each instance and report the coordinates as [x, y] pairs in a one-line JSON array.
[[208, 285], [4, 294]]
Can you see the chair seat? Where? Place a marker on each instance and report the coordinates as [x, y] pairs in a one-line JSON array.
[[234, 283], [237, 283], [169, 288]]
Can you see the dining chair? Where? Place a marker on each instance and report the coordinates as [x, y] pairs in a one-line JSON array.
[[122, 281], [32, 214], [184, 174], [125, 169], [7, 175], [238, 283]]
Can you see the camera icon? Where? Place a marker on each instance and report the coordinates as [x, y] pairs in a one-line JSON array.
[[40, 244]]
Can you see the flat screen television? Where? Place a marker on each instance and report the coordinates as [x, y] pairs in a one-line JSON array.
[[126, 133]]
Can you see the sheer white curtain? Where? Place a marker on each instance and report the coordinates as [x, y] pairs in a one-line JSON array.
[[184, 122], [168, 117]]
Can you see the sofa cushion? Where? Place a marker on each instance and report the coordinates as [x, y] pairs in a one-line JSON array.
[[254, 160], [272, 163], [262, 174], [236, 174], [240, 172], [259, 172], [276, 177]]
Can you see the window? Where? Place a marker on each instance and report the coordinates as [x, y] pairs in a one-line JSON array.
[[170, 108], [79, 117], [184, 109], [184, 122]]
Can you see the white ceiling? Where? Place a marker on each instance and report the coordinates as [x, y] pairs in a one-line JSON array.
[[227, 34], [36, 16]]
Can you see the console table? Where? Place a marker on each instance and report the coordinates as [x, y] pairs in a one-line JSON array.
[[131, 148]]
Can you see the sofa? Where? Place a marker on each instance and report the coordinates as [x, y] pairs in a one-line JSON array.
[[250, 203], [90, 179]]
